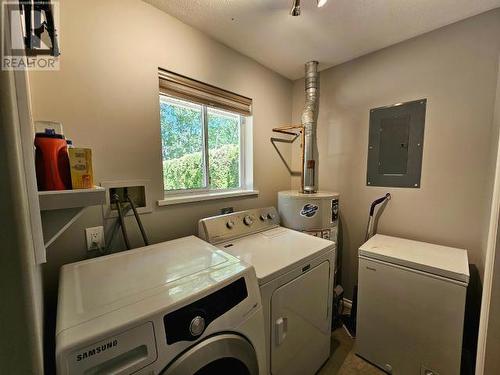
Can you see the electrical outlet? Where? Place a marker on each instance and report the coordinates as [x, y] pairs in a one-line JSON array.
[[95, 238]]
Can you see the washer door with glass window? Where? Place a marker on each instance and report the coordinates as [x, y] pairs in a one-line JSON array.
[[221, 354]]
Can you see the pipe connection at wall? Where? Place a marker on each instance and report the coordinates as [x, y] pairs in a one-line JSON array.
[[309, 122]]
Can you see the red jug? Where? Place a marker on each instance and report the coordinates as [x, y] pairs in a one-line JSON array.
[[52, 162]]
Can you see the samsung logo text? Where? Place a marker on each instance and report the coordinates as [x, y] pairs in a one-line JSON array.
[[96, 350]]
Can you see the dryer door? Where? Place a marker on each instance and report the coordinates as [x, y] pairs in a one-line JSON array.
[[221, 354], [301, 321]]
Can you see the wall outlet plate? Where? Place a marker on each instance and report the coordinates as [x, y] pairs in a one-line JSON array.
[[95, 238]]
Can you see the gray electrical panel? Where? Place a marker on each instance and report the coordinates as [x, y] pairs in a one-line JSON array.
[[395, 145]]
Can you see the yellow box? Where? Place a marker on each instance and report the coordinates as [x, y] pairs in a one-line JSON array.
[[80, 161]]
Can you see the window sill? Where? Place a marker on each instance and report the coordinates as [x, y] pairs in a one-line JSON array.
[[189, 198]]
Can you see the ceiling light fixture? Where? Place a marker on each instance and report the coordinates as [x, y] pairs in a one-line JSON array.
[[295, 11]]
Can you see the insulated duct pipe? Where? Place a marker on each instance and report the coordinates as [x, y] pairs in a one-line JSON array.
[[309, 122]]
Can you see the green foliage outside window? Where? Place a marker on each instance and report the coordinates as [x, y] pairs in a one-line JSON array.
[[183, 146], [184, 171]]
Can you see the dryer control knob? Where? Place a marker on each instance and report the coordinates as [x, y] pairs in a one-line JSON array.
[[197, 326], [230, 224], [248, 220]]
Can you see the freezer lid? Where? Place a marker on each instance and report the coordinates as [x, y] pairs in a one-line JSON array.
[[439, 260]]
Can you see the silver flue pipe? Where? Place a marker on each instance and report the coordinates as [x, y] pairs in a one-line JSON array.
[[309, 122]]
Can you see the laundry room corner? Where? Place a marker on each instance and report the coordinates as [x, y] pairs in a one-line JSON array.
[[271, 187], [435, 66]]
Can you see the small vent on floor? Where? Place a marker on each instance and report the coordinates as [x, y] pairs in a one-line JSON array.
[[426, 371]]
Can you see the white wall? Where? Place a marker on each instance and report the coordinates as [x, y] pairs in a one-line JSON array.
[[106, 96], [455, 68], [492, 362]]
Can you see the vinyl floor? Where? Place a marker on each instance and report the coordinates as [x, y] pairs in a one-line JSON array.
[[343, 360]]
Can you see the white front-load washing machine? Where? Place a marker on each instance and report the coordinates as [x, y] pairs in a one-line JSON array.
[[295, 273], [181, 307]]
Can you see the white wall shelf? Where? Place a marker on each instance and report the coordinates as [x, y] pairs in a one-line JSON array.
[[61, 199], [61, 208]]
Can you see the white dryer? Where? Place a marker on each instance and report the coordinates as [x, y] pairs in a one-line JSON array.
[[181, 307], [295, 273]]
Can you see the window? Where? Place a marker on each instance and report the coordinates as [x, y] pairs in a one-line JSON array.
[[200, 146], [203, 137]]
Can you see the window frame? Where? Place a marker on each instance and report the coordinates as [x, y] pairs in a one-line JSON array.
[[206, 190]]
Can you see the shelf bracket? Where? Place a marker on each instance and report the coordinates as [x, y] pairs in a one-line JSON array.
[[61, 220], [59, 209], [296, 131]]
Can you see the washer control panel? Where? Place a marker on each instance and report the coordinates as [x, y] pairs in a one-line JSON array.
[[221, 228], [189, 322]]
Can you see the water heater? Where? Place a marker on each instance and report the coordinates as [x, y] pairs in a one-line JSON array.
[[313, 213]]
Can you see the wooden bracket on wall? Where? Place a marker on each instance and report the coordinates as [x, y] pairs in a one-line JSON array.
[[296, 131]]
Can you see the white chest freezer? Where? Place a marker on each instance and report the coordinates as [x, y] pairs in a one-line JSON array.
[[411, 303]]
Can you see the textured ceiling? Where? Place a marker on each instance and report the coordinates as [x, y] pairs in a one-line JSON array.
[[338, 32]]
